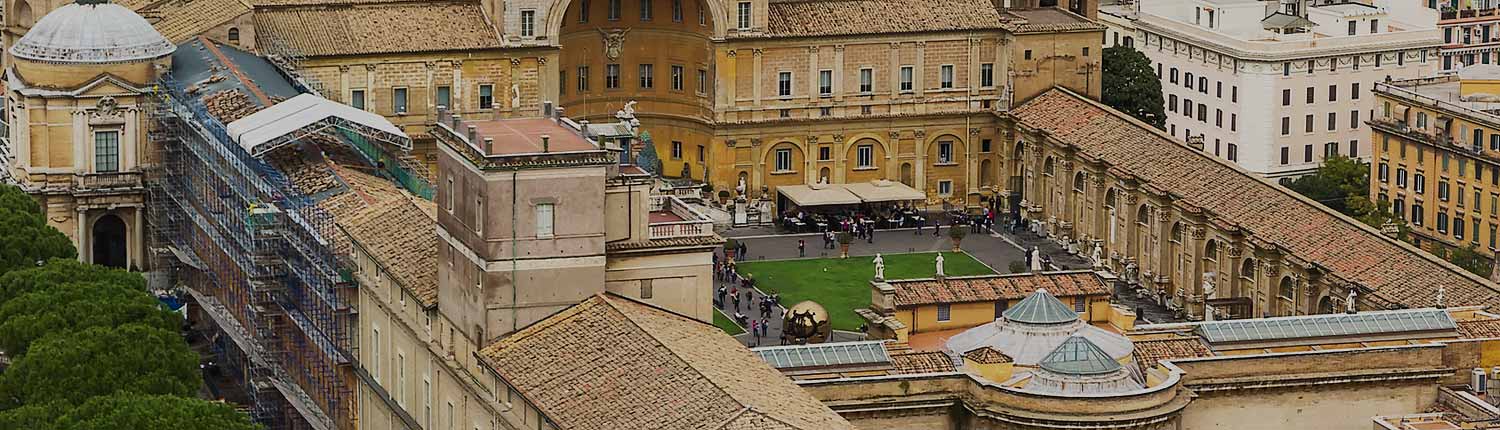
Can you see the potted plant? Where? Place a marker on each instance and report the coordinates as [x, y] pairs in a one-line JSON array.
[[844, 239], [729, 246], [723, 197], [957, 233]]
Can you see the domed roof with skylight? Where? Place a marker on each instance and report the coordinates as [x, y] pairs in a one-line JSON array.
[[92, 32], [1032, 329]]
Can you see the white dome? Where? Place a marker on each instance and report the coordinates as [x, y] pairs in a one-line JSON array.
[[92, 33]]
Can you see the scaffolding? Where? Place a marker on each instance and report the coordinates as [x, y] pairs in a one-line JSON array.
[[257, 255]]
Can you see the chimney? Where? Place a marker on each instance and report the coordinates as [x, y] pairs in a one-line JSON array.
[[456, 121], [473, 133], [489, 145], [559, 110], [547, 108], [546, 143]]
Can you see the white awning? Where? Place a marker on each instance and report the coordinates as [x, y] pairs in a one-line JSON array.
[[282, 123], [824, 195], [882, 190]]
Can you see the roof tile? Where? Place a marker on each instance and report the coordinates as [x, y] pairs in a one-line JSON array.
[[377, 28], [996, 287]]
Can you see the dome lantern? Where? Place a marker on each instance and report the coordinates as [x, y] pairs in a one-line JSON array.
[[92, 32]]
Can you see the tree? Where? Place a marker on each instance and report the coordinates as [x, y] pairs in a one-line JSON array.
[[77, 306], [27, 239], [1337, 180], [74, 366], [61, 271], [1469, 260], [1130, 85], [648, 160], [135, 412]]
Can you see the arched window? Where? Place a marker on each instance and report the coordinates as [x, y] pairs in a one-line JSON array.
[[1048, 167], [1247, 269], [1143, 215], [986, 173], [234, 35], [1187, 79], [1129, 42], [1109, 198], [1078, 180], [1211, 250], [1288, 288], [1177, 232]]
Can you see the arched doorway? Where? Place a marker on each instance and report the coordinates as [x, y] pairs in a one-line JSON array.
[[986, 173], [823, 176], [1325, 305], [907, 175], [109, 241], [1140, 239]]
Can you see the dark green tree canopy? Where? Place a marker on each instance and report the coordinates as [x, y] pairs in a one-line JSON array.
[[61, 271], [27, 238], [1130, 85], [137, 412], [76, 306], [74, 366]]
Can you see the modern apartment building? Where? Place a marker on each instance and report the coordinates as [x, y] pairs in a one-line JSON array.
[[1471, 32], [1278, 87], [1438, 155]]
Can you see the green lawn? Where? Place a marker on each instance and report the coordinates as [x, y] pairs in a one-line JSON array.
[[724, 323], [843, 285]]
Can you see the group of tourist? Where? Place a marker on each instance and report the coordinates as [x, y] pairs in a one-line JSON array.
[[852, 220], [738, 290]]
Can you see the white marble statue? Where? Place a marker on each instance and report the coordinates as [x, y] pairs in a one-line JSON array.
[[1440, 304], [1349, 307], [741, 187], [879, 267], [515, 96], [940, 265], [1098, 255], [1036, 260]]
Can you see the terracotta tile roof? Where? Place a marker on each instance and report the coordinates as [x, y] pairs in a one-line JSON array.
[[377, 28], [996, 287], [987, 355], [913, 363], [1479, 329], [796, 18], [1048, 20], [675, 242], [1149, 352], [264, 4], [1395, 272], [613, 363], [402, 236], [179, 21]]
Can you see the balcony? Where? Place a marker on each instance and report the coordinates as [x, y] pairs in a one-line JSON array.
[[672, 218], [107, 182], [1465, 14]]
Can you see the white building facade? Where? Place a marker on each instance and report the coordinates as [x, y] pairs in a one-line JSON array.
[[1278, 88]]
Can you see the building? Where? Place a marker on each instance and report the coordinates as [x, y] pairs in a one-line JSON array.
[[1440, 133], [643, 367], [1199, 229], [906, 307], [1469, 33], [76, 134], [1119, 18], [1278, 91]]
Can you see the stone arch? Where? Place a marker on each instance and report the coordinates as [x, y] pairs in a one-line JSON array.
[[908, 176], [1325, 305], [109, 240], [718, 18], [1245, 285], [878, 154], [234, 36], [1286, 288], [24, 14], [824, 175], [1049, 167], [960, 145]]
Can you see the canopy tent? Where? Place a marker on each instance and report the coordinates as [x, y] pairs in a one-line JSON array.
[[307, 114], [818, 195], [882, 190]]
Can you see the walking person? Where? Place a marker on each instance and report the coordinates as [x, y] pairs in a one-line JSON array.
[[801, 248], [870, 233], [937, 226]]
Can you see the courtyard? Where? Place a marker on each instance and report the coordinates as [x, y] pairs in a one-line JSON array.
[[842, 285]]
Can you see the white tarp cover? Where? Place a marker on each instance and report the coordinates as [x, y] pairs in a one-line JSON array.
[[884, 191], [828, 194], [260, 128]]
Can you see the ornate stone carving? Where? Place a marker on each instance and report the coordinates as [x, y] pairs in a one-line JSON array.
[[1163, 215], [895, 45], [427, 64], [516, 62], [755, 141], [1131, 199], [729, 142], [838, 138], [812, 139], [370, 67], [614, 42], [921, 134], [541, 61], [1236, 251], [756, 51], [1198, 232], [812, 49], [457, 63], [730, 53], [343, 68], [838, 48], [974, 131], [921, 44], [894, 135]]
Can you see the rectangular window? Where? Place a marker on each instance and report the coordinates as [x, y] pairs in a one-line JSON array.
[[357, 99], [866, 155], [744, 15], [583, 11], [1286, 126], [825, 153], [1286, 97], [528, 23], [478, 222], [987, 75], [1234, 122], [825, 83], [1330, 149], [1333, 121], [445, 96], [1333, 92], [676, 150], [375, 353], [611, 76], [1354, 91], [702, 154], [945, 76], [1307, 153], [648, 75], [614, 10], [866, 80], [1000, 307], [398, 100], [583, 78], [1307, 125], [1234, 94], [944, 312], [645, 10], [985, 145], [945, 188], [783, 160], [1354, 119], [1311, 94], [1234, 152], [486, 96], [784, 84], [906, 78], [945, 152], [676, 10], [107, 151], [702, 81], [677, 78], [544, 220], [1080, 304], [646, 289]]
